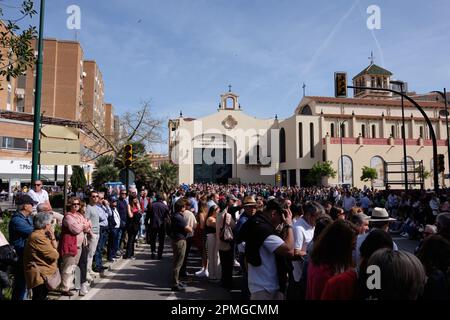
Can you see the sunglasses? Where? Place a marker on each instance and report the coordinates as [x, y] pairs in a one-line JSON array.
[[75, 204], [38, 184], [94, 196]]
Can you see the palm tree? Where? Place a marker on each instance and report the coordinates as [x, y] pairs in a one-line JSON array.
[[166, 177], [104, 171]]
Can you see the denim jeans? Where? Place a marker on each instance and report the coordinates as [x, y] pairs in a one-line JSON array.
[[113, 244], [103, 237]]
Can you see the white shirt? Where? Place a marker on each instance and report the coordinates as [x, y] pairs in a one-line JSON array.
[[265, 276], [303, 235], [40, 197]]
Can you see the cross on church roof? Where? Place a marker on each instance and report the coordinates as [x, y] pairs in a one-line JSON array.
[[229, 88], [371, 58]]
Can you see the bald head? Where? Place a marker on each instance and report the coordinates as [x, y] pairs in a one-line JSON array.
[[43, 207]]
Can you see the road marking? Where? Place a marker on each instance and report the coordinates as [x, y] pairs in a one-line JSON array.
[[108, 277]]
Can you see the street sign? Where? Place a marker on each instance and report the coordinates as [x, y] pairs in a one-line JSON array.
[[131, 176], [59, 146]]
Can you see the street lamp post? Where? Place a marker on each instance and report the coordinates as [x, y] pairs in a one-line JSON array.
[[37, 99], [444, 96], [341, 126]]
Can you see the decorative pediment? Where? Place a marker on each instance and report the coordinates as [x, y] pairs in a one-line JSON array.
[[229, 122]]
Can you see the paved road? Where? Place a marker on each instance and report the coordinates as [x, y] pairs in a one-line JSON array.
[[147, 279]]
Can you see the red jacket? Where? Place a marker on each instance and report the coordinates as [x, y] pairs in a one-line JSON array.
[[67, 243]]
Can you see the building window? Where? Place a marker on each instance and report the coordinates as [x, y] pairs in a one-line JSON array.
[[393, 131], [363, 130], [324, 155], [421, 132], [311, 138], [385, 85], [332, 130], [374, 131], [15, 143], [372, 82], [300, 140], [378, 82], [306, 111], [343, 130], [282, 145]]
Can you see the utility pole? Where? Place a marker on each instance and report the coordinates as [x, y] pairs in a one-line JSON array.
[[37, 99]]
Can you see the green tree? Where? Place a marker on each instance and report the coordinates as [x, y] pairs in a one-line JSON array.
[[369, 174], [16, 51], [423, 175], [78, 179], [104, 171], [321, 170]]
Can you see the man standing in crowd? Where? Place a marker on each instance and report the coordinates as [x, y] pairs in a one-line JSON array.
[[104, 214], [191, 221], [379, 220], [365, 203], [249, 211], [303, 235], [348, 202], [361, 221], [213, 200], [20, 227], [39, 194], [114, 229], [156, 216], [122, 208], [180, 229], [263, 248], [93, 212]]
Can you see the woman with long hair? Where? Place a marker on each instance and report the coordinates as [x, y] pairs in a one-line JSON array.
[[200, 233], [74, 228], [211, 244], [133, 225], [331, 255]]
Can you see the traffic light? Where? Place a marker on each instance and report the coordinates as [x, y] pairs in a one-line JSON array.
[[128, 155], [340, 85], [441, 166]]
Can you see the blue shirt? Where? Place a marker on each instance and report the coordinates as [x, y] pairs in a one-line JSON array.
[[20, 227]]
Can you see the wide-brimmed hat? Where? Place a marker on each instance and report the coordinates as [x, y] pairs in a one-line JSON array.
[[249, 201], [380, 214]]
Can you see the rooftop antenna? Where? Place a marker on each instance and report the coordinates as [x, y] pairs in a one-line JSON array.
[[304, 87], [371, 58]]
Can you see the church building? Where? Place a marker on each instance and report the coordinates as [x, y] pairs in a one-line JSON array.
[[365, 130]]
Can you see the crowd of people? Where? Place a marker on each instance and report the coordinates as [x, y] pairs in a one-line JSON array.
[[286, 242]]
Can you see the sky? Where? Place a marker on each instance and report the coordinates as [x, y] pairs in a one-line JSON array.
[[182, 54]]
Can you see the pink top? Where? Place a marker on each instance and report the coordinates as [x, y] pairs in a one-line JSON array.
[[317, 278], [77, 224]]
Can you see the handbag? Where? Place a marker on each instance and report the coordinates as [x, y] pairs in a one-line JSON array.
[[52, 282], [226, 233]]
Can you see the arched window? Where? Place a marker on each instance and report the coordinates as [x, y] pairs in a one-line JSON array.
[[332, 130], [229, 103], [363, 130], [393, 131], [324, 155], [374, 131], [300, 140], [282, 145], [421, 132], [377, 163], [343, 130], [348, 170], [311, 138], [306, 111]]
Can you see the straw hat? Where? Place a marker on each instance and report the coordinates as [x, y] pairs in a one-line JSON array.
[[380, 214]]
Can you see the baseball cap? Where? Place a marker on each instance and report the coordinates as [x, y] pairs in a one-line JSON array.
[[26, 199]]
